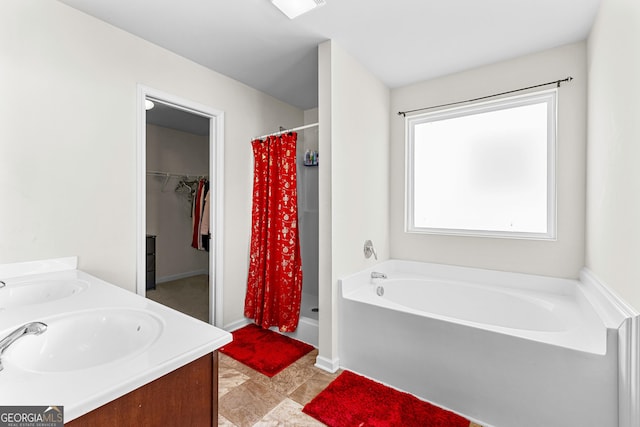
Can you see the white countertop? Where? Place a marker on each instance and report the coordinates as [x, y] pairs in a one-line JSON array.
[[183, 339]]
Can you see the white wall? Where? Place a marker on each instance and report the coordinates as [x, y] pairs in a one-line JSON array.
[[354, 177], [613, 208], [563, 257], [68, 140], [169, 215]]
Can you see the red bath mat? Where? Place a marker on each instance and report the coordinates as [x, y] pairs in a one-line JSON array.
[[352, 400], [266, 351]]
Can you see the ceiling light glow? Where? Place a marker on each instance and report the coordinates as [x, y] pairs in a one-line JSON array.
[[295, 8]]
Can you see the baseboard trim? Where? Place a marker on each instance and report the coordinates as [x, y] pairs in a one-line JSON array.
[[617, 311], [236, 325], [179, 276], [328, 365]]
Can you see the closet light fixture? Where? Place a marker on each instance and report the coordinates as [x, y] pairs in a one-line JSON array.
[[148, 105], [295, 8]]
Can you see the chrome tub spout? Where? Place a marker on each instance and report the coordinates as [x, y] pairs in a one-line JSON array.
[[33, 328], [376, 275]]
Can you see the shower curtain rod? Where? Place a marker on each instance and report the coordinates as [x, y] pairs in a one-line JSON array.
[[555, 82], [285, 131]]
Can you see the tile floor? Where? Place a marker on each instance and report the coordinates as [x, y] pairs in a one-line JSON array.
[[247, 398]]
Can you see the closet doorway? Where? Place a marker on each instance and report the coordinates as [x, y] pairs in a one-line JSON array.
[[179, 233]]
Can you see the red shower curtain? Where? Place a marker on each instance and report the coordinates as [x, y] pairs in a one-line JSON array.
[[274, 283]]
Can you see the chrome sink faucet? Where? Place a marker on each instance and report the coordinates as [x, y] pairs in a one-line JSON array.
[[33, 328]]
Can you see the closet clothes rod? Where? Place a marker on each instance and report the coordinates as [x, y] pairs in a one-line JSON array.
[[285, 131], [174, 175]]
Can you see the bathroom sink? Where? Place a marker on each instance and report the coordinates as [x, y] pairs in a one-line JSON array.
[[28, 293], [84, 340]]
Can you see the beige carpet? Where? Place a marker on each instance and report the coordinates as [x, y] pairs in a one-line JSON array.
[[189, 295]]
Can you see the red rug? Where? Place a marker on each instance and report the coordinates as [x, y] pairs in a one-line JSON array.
[[352, 400], [266, 351]]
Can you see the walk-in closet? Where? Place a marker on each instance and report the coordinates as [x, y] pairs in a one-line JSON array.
[[178, 202]]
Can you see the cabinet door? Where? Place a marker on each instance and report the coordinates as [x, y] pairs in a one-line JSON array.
[[184, 397]]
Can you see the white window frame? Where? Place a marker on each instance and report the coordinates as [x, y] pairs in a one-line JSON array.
[[550, 98]]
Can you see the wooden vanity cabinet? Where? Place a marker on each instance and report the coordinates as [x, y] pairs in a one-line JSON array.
[[187, 396]]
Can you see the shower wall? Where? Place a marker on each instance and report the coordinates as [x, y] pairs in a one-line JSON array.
[[308, 209]]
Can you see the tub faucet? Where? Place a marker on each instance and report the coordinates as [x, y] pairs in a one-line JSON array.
[[376, 275], [33, 328]]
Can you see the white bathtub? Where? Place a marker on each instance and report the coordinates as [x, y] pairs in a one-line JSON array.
[[502, 349]]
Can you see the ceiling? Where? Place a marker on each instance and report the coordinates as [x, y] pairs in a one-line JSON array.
[[174, 118], [399, 41]]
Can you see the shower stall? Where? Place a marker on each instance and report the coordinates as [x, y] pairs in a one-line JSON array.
[[307, 166]]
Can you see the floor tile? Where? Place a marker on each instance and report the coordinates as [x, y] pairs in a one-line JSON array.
[[248, 403], [312, 387], [228, 379], [291, 378], [223, 422], [287, 413]]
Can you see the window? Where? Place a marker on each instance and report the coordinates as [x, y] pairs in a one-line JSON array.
[[484, 170]]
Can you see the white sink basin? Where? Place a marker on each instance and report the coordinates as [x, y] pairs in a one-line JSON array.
[[85, 340], [28, 293]]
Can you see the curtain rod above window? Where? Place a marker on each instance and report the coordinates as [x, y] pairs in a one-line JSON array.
[[555, 82], [281, 131]]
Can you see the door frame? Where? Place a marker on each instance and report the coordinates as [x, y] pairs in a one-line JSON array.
[[216, 162]]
